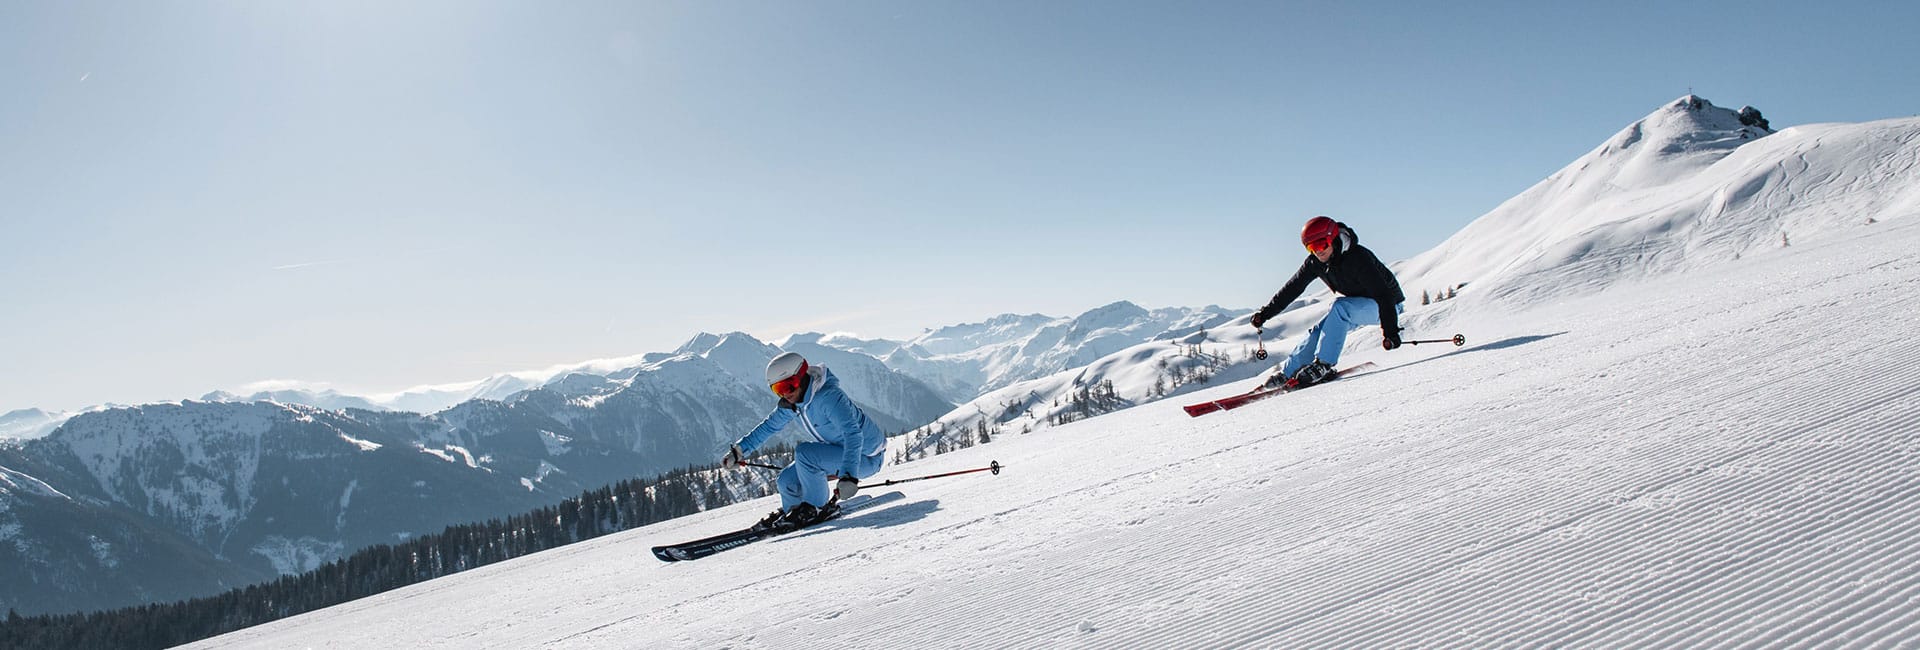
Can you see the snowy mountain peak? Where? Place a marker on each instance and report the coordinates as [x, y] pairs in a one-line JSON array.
[[847, 341], [737, 344], [1689, 185], [1675, 141], [730, 344], [27, 424], [1701, 108], [699, 344], [739, 354], [326, 399], [1110, 315], [808, 338], [24, 417], [966, 337], [580, 384]]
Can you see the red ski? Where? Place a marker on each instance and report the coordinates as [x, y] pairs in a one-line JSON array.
[[1257, 394]]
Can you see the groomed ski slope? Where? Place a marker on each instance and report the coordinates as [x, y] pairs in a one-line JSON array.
[[1726, 458]]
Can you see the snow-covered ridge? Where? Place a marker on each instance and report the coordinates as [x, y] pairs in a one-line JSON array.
[[1001, 350], [31, 423], [1689, 186], [977, 356], [13, 481]]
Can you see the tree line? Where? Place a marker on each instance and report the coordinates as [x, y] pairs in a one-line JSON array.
[[610, 509]]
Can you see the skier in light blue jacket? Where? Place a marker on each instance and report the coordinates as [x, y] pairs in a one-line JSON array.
[[845, 442]]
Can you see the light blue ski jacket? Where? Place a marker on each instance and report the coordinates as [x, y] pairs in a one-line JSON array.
[[829, 416]]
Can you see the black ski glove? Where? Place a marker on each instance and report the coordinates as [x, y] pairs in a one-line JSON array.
[[1390, 338], [848, 487]]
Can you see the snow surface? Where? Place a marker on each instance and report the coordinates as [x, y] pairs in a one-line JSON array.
[[13, 481], [1725, 456]]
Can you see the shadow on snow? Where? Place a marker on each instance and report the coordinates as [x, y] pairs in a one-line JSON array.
[[886, 517], [1502, 344]]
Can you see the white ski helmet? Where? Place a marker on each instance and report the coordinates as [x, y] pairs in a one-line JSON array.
[[785, 366]]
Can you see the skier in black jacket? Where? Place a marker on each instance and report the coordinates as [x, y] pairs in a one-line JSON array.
[[1369, 296]]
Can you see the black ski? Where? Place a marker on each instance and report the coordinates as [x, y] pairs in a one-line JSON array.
[[700, 548]]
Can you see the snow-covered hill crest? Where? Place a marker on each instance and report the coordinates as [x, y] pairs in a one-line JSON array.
[[1689, 186]]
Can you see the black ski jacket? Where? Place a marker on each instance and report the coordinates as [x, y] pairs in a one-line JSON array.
[[1351, 271]]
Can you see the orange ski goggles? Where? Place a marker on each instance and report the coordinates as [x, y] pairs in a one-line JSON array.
[[789, 384], [1318, 245]]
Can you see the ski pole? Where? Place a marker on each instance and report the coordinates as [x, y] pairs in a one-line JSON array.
[[759, 465], [995, 468], [1458, 339], [1260, 352]]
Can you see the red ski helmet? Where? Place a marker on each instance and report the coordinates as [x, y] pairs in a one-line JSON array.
[[1319, 233]]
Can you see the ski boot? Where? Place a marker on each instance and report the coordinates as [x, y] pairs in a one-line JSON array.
[[1274, 380], [1310, 374], [772, 521], [800, 516]]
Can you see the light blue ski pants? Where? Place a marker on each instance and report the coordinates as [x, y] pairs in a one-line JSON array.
[[806, 479], [1328, 336]]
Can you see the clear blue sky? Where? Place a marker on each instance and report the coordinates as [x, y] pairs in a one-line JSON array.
[[198, 195]]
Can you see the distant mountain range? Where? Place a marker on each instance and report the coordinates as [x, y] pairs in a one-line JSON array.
[[26, 424], [129, 505]]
